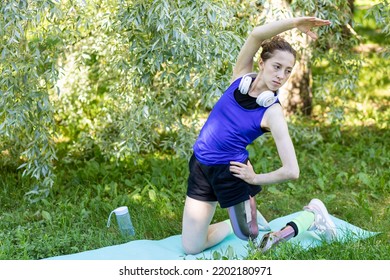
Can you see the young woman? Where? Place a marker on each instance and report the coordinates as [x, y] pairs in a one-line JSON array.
[[220, 171]]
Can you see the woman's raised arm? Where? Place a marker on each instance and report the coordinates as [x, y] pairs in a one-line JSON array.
[[244, 63]]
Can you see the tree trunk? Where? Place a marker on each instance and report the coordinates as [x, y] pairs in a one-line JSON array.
[[299, 98]]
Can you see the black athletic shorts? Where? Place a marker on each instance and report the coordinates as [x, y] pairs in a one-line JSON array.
[[217, 183]]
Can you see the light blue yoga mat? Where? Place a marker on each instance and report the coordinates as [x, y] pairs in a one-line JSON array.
[[170, 248]]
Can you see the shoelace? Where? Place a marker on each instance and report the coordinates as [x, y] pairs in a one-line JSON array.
[[320, 223]]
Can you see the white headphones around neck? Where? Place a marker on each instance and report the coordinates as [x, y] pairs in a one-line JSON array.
[[265, 99]]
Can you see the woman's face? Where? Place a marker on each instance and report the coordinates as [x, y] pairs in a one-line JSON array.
[[277, 69]]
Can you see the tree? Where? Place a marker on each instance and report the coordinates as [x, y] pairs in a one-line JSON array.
[[167, 62], [29, 43]]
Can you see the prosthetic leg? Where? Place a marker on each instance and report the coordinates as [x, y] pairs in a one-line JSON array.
[[299, 224], [272, 239], [244, 220]]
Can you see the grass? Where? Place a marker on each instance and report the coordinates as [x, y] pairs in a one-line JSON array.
[[73, 218], [348, 168]]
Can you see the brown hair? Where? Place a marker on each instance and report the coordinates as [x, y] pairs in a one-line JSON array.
[[273, 44]]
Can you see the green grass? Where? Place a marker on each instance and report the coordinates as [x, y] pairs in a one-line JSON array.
[[348, 168], [73, 218]]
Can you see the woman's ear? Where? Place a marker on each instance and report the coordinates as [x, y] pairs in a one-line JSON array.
[[261, 65]]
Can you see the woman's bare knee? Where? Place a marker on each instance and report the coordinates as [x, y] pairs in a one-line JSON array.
[[190, 248]]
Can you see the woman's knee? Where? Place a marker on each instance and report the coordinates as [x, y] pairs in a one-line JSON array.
[[190, 248]]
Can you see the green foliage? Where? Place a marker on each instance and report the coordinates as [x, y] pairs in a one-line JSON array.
[[135, 95], [381, 14], [334, 54], [29, 44]]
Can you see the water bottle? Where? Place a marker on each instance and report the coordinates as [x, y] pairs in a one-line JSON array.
[[124, 221]]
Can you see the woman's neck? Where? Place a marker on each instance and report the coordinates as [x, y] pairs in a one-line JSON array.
[[258, 86]]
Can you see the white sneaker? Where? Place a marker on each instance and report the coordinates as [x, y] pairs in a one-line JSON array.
[[323, 224]]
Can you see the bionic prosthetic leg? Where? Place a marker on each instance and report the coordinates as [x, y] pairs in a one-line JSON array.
[[246, 220]]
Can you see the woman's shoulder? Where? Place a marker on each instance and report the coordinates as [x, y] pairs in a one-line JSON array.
[[275, 110], [274, 116]]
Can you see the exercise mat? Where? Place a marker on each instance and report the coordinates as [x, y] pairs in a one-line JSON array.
[[170, 248]]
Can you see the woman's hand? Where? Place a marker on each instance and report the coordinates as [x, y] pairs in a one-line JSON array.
[[304, 24], [243, 171]]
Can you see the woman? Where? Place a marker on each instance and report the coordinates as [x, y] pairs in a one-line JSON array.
[[220, 171]]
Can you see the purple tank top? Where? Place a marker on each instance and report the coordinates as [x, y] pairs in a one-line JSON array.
[[228, 130]]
